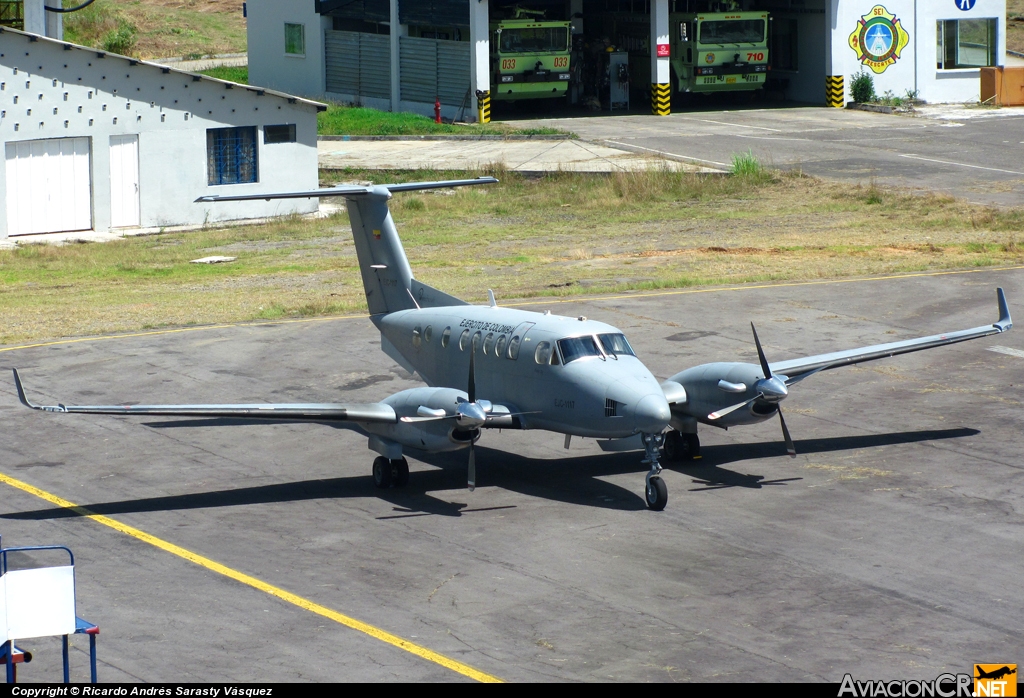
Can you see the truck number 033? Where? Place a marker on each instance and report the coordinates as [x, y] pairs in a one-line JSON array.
[[561, 61], [508, 63], [755, 56]]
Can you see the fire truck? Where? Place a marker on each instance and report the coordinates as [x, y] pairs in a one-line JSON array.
[[529, 57], [709, 51]]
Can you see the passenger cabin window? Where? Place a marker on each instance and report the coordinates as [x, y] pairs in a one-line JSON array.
[[488, 342], [543, 353], [416, 334], [477, 337], [615, 344], [499, 346], [577, 348], [446, 337], [463, 340], [513, 347], [428, 332]]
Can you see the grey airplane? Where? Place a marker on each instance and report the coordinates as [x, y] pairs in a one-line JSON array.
[[487, 366]]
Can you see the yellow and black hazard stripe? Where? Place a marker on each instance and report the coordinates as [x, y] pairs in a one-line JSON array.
[[483, 106], [661, 98], [834, 91]]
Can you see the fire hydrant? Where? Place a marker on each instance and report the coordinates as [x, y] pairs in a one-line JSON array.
[[437, 110]]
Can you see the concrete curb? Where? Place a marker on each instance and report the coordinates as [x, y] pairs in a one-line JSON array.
[[453, 137]]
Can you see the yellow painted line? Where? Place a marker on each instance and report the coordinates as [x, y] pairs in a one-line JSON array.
[[178, 330], [751, 287], [286, 596]]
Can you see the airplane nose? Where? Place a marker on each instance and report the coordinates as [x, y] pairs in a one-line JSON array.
[[652, 414]]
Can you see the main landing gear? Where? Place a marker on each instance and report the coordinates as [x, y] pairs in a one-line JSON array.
[[657, 491], [680, 447], [387, 473]]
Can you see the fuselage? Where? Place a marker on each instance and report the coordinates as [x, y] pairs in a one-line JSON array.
[[570, 375]]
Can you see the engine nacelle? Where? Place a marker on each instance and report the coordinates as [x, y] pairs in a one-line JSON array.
[[711, 387], [434, 436]]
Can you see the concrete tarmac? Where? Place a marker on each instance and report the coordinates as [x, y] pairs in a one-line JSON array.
[[889, 548], [972, 153]]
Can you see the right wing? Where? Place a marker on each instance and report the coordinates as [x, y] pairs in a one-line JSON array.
[[366, 413]]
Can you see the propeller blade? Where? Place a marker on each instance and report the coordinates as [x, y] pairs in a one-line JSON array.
[[718, 414], [760, 354], [472, 467], [471, 393], [790, 448]]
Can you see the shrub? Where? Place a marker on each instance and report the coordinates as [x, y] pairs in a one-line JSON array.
[[122, 39], [862, 87], [746, 165]]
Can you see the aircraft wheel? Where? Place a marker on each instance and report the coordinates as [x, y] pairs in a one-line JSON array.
[[657, 494], [692, 442], [400, 472], [381, 472], [675, 446]]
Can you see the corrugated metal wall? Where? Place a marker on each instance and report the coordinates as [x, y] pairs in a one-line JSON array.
[[434, 68], [358, 63]]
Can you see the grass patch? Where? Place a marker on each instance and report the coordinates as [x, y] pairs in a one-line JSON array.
[[342, 120], [560, 235], [159, 28], [238, 74]]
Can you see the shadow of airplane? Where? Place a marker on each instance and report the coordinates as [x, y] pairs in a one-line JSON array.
[[576, 480]]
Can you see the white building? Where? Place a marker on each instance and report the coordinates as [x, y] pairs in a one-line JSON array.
[[97, 141], [397, 54]]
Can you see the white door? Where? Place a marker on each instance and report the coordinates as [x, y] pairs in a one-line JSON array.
[[124, 181], [49, 186]]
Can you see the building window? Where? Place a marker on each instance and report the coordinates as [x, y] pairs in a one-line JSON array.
[[965, 43], [280, 133], [295, 39], [231, 155]]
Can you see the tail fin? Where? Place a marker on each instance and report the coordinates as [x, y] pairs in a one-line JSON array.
[[387, 277]]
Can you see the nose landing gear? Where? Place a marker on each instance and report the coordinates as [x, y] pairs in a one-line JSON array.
[[657, 491]]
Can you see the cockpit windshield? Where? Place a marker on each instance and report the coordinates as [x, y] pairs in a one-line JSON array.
[[574, 348], [615, 344]]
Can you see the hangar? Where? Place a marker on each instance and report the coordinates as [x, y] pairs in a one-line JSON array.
[[467, 54], [94, 141]]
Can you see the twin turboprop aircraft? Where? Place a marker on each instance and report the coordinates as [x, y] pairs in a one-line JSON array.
[[489, 366]]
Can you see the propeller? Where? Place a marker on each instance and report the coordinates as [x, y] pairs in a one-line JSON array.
[[770, 389]]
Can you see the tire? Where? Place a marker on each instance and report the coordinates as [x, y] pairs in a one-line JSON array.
[[400, 472], [681, 447], [657, 494], [382, 472], [692, 442]]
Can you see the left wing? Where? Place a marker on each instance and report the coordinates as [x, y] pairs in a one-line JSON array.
[[371, 413], [797, 368]]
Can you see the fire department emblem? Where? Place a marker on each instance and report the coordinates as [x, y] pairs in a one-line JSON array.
[[878, 39]]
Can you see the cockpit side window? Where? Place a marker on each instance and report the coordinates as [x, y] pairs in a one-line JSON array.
[[578, 347], [543, 353], [615, 344]]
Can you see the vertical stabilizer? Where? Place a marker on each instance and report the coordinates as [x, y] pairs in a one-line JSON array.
[[387, 277]]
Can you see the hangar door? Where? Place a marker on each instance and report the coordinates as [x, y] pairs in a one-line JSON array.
[[358, 63], [49, 187], [434, 68]]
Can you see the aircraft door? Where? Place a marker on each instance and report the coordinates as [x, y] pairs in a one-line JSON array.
[[514, 367]]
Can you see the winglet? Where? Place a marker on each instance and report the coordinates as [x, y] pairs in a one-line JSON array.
[[1005, 322], [21, 390]]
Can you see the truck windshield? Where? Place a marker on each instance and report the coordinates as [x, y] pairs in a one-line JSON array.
[[615, 344], [732, 31], [577, 347], [534, 40]]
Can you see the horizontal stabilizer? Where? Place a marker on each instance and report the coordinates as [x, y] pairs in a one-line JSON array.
[[351, 191]]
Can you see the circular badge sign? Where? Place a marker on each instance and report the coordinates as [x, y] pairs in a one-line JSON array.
[[878, 39], [965, 4]]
